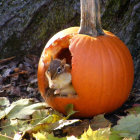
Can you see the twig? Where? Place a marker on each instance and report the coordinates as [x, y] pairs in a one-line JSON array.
[[6, 136], [6, 59]]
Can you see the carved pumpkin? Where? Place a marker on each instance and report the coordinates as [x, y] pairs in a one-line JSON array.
[[102, 67]]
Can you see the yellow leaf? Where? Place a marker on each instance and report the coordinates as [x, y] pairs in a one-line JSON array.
[[39, 136], [100, 134]]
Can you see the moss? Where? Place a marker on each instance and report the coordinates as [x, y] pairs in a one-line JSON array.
[[58, 17], [114, 15], [49, 20], [35, 31]]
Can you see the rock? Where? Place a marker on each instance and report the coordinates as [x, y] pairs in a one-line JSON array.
[[26, 25]]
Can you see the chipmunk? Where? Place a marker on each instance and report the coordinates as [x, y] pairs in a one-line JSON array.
[[59, 77]]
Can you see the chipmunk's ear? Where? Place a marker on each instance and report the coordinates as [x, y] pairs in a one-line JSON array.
[[63, 61], [46, 64]]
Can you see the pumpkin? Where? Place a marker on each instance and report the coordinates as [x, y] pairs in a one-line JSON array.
[[102, 67]]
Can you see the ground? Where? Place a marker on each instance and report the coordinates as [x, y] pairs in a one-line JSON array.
[[18, 80]]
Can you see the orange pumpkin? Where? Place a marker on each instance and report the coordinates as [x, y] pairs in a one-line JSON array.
[[102, 67]]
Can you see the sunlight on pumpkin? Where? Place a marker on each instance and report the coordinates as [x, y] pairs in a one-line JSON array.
[[95, 79]]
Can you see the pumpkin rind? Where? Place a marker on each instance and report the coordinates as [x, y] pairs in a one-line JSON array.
[[106, 72], [102, 73]]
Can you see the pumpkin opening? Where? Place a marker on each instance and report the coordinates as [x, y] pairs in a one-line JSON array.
[[59, 49], [64, 53]]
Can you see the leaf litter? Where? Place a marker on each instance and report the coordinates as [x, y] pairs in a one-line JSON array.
[[24, 115], [18, 78]]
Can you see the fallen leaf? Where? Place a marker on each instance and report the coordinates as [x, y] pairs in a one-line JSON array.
[[99, 122], [17, 136], [134, 110], [76, 129], [61, 123], [8, 129], [21, 109], [51, 137], [128, 126], [40, 136], [72, 138], [43, 121], [69, 110], [5, 137], [4, 102], [100, 134]]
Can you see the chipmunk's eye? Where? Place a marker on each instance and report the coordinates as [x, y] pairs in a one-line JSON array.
[[59, 70], [48, 71]]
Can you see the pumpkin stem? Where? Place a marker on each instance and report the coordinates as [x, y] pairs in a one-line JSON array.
[[90, 18]]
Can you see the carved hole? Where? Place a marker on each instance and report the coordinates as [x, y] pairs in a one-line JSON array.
[[63, 53]]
